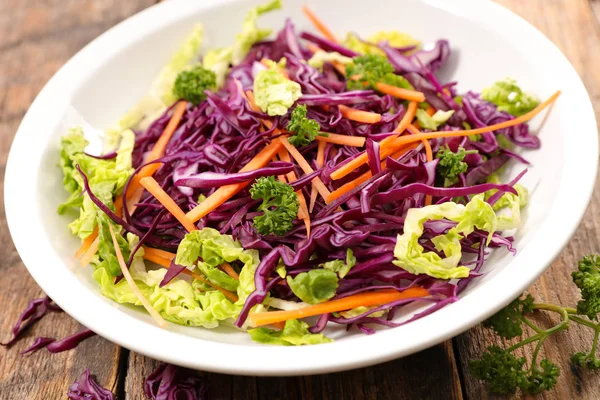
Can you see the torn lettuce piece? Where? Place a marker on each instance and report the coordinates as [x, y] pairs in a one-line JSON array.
[[295, 333], [369, 46], [250, 32], [179, 301], [314, 286], [106, 177], [394, 38], [412, 257], [214, 249], [275, 94], [509, 97], [433, 122], [181, 60], [441, 117], [218, 60], [341, 267], [321, 57]]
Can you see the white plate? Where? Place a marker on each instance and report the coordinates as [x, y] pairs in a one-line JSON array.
[[106, 77]]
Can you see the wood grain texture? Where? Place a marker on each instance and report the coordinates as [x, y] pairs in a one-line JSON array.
[[574, 28], [36, 39], [430, 374]]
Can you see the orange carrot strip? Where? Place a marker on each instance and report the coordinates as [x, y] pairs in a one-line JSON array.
[[159, 253], [321, 27], [353, 141], [320, 163], [400, 93], [226, 192], [430, 110], [303, 212], [352, 114], [364, 177], [428, 154], [321, 188], [229, 270], [154, 188], [159, 147], [355, 163], [87, 242], [157, 151], [86, 258], [346, 303], [163, 262], [397, 142], [140, 296], [408, 117], [403, 140]]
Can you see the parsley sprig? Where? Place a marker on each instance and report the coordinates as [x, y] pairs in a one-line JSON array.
[[505, 373]]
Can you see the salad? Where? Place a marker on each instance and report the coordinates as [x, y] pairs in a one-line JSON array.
[[299, 180]]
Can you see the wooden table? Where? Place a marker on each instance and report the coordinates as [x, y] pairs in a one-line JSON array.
[[38, 37]]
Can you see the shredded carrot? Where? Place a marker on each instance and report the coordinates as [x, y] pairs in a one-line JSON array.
[[157, 152], [362, 159], [403, 140], [125, 271], [320, 162], [303, 212], [226, 192], [90, 252], [400, 93], [313, 48], [154, 188], [392, 143], [282, 71], [321, 27], [430, 110], [159, 253], [229, 270], [345, 188], [428, 153], [366, 117], [279, 325], [346, 140], [163, 262], [87, 242], [321, 188], [411, 110], [362, 299]]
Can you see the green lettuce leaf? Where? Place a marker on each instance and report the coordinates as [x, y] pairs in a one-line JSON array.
[[214, 249], [251, 33], [321, 57], [425, 120], [410, 255], [182, 59], [179, 301], [295, 333], [107, 178], [441, 117], [393, 37], [341, 267], [314, 286], [509, 97], [218, 60], [273, 93]]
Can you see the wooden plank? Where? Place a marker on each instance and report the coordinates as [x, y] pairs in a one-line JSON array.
[[570, 24], [430, 374], [36, 38]]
